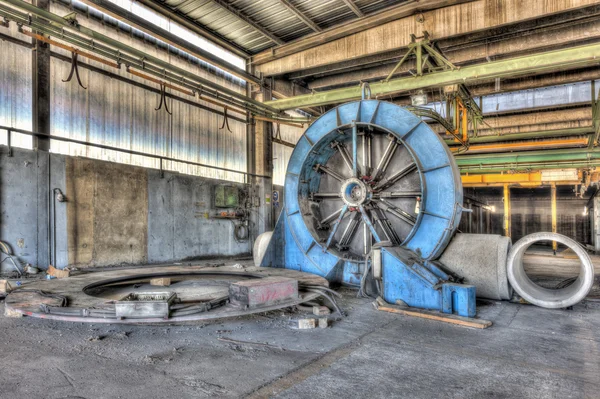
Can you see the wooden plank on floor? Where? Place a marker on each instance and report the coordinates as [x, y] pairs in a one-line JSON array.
[[383, 306]]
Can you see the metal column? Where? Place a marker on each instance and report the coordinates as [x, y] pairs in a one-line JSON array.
[[41, 123], [507, 225], [553, 204]]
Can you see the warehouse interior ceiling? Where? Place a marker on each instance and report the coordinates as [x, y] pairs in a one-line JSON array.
[[258, 25]]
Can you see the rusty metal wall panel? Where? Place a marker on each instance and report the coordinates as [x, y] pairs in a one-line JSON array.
[[16, 87], [116, 113]]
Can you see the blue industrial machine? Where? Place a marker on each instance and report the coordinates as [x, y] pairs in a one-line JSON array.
[[370, 185]]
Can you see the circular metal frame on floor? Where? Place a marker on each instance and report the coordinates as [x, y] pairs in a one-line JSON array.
[[30, 299]]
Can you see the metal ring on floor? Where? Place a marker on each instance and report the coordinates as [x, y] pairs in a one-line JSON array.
[[545, 297]]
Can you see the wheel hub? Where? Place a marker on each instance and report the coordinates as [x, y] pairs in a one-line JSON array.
[[355, 192]]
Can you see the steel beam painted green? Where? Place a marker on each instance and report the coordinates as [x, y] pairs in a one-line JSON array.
[[62, 23], [542, 134], [564, 155], [569, 58]]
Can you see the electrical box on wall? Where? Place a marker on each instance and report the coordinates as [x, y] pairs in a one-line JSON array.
[[227, 196]]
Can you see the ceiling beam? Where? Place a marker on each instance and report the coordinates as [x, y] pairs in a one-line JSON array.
[[192, 25], [140, 23], [354, 8], [571, 58], [300, 15], [395, 35], [574, 30], [223, 4], [405, 9]]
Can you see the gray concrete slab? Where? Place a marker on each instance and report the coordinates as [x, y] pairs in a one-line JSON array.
[[528, 353]]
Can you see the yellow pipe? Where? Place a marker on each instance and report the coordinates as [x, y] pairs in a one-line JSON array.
[[507, 218], [533, 179]]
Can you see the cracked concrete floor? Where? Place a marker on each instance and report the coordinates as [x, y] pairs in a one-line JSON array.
[[528, 353]]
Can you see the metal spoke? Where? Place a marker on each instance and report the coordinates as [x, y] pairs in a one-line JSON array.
[[322, 196], [399, 213], [349, 233], [366, 153], [366, 239], [323, 224], [368, 222], [354, 150], [397, 194], [384, 224], [325, 169], [387, 156], [344, 153], [382, 185], [336, 225]]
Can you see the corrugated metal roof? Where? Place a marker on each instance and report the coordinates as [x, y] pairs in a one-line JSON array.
[[272, 16]]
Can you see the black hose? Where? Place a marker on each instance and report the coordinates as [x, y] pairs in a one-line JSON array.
[[320, 287], [330, 299]]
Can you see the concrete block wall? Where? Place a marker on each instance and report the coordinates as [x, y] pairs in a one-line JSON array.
[[115, 214]]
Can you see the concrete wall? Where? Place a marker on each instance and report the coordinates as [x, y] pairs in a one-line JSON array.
[[114, 214]]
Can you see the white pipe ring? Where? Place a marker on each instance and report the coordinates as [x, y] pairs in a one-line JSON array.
[[546, 297]]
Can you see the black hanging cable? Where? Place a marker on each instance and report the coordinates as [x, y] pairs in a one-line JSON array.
[[163, 99], [225, 121], [75, 70], [278, 131]]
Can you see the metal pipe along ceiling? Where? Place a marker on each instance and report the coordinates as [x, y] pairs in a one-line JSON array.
[[51, 24]]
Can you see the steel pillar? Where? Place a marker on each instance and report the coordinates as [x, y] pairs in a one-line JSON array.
[[553, 205], [507, 218]]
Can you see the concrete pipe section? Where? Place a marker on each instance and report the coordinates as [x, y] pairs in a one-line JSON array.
[[260, 247], [545, 297], [481, 260]]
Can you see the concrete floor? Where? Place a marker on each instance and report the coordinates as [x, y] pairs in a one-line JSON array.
[[528, 353]]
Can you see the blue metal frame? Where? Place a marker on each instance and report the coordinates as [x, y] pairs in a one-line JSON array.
[[293, 246]]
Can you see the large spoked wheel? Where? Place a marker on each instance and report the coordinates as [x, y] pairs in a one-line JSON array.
[[366, 172], [370, 190]]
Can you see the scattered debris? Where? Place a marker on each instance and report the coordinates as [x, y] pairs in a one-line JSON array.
[[321, 310], [238, 266], [95, 338], [303, 323], [214, 264], [58, 273], [31, 269], [12, 313], [162, 282], [323, 322]]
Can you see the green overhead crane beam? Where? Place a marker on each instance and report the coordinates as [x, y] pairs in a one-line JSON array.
[[569, 154], [542, 134], [551, 61]]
